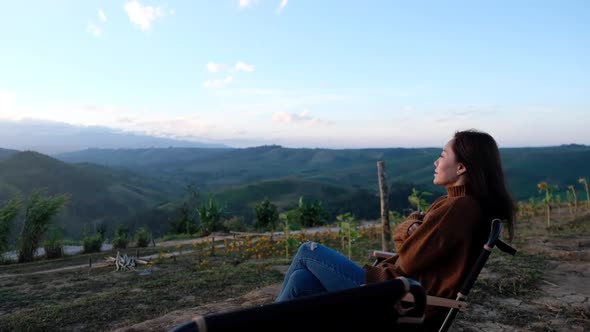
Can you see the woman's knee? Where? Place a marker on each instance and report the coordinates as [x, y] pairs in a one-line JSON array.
[[307, 247]]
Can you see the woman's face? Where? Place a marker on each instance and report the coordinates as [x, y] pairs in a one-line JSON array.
[[448, 172]]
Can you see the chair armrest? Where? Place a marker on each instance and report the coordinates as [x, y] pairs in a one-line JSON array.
[[438, 302], [380, 254]]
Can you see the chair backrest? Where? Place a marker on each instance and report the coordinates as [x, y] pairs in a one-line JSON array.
[[493, 241], [370, 307]]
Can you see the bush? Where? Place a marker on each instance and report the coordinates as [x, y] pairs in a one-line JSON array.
[[92, 243], [121, 238], [142, 237], [235, 223], [54, 245]]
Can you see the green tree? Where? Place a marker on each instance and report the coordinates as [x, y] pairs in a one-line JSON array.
[[311, 214], [39, 211], [267, 215], [143, 237], [417, 199], [121, 237], [8, 214], [210, 215], [188, 212]]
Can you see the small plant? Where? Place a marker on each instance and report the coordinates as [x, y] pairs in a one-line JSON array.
[[585, 183], [92, 243], [417, 199], [548, 190], [289, 241], [121, 238], [394, 218], [347, 231], [572, 199], [142, 237], [54, 245]]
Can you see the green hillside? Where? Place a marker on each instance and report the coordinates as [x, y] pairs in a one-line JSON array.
[[214, 169], [285, 193], [97, 194], [145, 186], [5, 153]]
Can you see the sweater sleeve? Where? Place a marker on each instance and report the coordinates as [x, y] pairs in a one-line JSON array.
[[400, 232], [432, 242]]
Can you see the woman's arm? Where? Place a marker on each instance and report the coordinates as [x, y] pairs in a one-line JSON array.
[[437, 239]]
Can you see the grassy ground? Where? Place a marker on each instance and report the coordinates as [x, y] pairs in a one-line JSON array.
[[103, 299], [100, 299]]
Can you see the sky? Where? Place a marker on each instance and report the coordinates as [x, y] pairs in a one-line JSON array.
[[302, 73]]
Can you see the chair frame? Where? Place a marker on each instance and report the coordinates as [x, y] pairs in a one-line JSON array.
[[460, 301]]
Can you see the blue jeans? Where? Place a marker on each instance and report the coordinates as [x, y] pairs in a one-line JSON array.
[[318, 269]]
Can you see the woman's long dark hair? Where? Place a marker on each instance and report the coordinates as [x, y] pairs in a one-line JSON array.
[[479, 152]]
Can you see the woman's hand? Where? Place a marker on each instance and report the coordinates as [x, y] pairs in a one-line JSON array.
[[413, 227], [417, 215]]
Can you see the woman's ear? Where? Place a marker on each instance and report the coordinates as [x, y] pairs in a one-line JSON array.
[[461, 169]]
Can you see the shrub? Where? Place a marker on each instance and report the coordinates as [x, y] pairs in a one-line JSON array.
[[92, 243], [235, 223], [143, 237], [54, 245], [121, 238]]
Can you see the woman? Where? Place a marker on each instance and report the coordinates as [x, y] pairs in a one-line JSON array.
[[435, 248]]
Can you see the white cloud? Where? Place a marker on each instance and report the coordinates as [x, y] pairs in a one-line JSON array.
[[302, 117], [244, 67], [221, 83], [215, 67], [102, 16], [142, 16], [247, 3], [94, 29], [282, 6]]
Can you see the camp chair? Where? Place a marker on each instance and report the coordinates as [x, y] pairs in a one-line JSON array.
[[460, 302], [369, 307]]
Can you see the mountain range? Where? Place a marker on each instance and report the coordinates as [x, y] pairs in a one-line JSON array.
[[55, 137], [146, 186]]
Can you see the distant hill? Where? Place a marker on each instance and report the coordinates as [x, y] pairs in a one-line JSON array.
[[145, 186], [97, 194], [214, 169], [5, 153], [54, 137], [336, 199]]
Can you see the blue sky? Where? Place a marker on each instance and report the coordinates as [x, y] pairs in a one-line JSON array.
[[335, 74]]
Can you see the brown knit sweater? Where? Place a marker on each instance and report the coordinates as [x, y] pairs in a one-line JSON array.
[[442, 250]]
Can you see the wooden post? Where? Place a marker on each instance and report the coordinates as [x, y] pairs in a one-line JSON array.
[[89, 262], [385, 229], [212, 245]]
